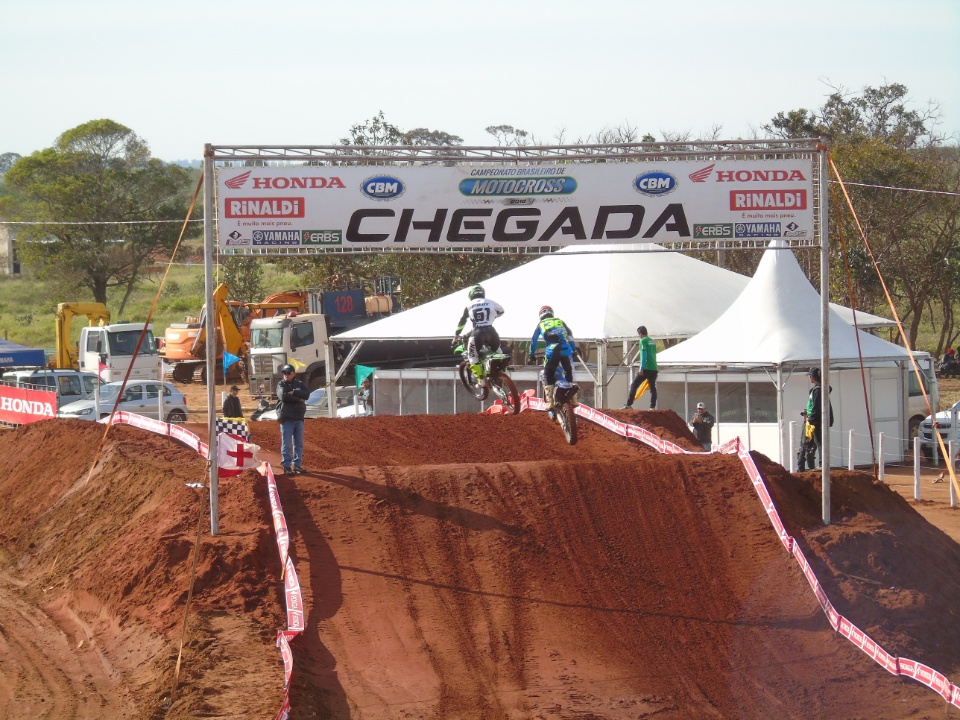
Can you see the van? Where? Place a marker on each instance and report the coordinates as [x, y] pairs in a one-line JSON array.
[[70, 385]]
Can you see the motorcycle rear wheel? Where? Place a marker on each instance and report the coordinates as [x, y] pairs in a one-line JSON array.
[[504, 389], [567, 418], [470, 382]]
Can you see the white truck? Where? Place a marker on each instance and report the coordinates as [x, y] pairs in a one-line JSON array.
[[107, 350], [298, 340]]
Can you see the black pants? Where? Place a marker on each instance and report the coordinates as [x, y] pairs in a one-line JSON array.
[[550, 367], [651, 377]]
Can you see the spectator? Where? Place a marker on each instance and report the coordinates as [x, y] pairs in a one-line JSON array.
[[648, 370], [807, 454], [231, 404], [702, 424], [814, 413], [366, 395], [292, 397]]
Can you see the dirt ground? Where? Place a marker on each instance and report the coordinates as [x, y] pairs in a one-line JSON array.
[[460, 567]]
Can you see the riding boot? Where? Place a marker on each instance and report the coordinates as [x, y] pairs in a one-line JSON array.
[[477, 370], [548, 396]]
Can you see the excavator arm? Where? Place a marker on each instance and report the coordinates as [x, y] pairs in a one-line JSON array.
[[227, 326], [97, 314]]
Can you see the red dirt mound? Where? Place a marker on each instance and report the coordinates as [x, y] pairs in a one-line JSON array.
[[456, 567]]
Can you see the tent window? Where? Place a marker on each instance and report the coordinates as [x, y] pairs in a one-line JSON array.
[[763, 402], [733, 403]]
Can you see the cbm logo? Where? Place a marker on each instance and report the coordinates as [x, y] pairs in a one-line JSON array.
[[655, 183], [382, 187]]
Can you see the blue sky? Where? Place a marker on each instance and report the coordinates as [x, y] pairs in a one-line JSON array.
[[182, 73]]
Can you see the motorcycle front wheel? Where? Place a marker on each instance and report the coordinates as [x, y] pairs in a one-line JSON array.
[[504, 389], [567, 418], [470, 382]]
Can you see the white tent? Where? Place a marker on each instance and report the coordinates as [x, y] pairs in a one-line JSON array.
[[761, 347], [603, 292]]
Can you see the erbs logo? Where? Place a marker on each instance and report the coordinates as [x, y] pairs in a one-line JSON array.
[[382, 187], [655, 183]]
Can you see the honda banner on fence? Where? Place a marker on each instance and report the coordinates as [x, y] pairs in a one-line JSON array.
[[19, 406], [386, 206]]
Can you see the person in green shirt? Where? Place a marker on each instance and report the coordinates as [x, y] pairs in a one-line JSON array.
[[648, 370]]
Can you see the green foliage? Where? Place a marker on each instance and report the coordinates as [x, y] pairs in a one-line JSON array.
[[883, 151], [104, 202], [244, 278]]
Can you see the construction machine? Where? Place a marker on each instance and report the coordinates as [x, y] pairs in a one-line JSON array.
[[184, 344], [67, 355], [104, 349]]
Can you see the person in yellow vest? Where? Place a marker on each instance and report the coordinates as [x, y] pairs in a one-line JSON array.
[[648, 370]]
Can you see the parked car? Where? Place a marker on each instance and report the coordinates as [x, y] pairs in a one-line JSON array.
[[139, 396], [70, 385], [317, 405], [947, 426]]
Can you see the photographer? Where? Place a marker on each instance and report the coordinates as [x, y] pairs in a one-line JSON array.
[[702, 424]]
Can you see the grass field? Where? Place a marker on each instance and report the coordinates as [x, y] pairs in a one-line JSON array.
[[28, 307]]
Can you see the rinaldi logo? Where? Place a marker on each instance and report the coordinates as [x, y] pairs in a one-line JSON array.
[[289, 207]]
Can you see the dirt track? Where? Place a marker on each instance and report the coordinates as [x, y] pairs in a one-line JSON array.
[[457, 567]]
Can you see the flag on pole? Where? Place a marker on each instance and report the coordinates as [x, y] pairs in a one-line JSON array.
[[363, 372], [234, 455], [297, 365], [228, 360]]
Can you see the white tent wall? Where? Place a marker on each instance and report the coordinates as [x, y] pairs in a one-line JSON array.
[[733, 396]]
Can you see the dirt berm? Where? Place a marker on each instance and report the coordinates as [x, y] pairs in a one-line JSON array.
[[456, 567]]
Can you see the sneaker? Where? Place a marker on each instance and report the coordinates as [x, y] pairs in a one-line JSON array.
[[299, 470], [627, 407], [287, 470]]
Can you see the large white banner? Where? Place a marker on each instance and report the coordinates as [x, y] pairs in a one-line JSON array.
[[392, 207]]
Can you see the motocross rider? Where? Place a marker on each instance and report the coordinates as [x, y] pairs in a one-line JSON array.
[[558, 338], [481, 311]]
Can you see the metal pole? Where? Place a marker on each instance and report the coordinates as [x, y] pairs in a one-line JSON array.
[[825, 335], [850, 460], [880, 460], [916, 468], [209, 214]]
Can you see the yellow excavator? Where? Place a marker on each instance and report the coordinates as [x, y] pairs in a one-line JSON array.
[[66, 353], [185, 343]]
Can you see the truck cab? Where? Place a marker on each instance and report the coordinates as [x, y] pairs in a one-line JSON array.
[[108, 351], [300, 340]]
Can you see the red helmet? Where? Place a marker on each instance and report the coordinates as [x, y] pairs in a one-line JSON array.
[[546, 312]]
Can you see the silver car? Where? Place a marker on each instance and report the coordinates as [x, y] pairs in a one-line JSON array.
[[139, 396]]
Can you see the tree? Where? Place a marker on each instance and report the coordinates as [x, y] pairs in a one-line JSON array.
[[7, 160], [898, 176], [508, 135], [244, 277], [103, 202]]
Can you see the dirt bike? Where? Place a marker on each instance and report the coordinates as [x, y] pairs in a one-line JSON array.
[[494, 366], [563, 412]]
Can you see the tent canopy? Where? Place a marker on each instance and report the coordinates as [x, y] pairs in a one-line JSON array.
[[14, 355], [603, 292], [776, 321]]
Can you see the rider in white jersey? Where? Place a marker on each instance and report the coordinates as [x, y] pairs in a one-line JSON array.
[[481, 311]]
